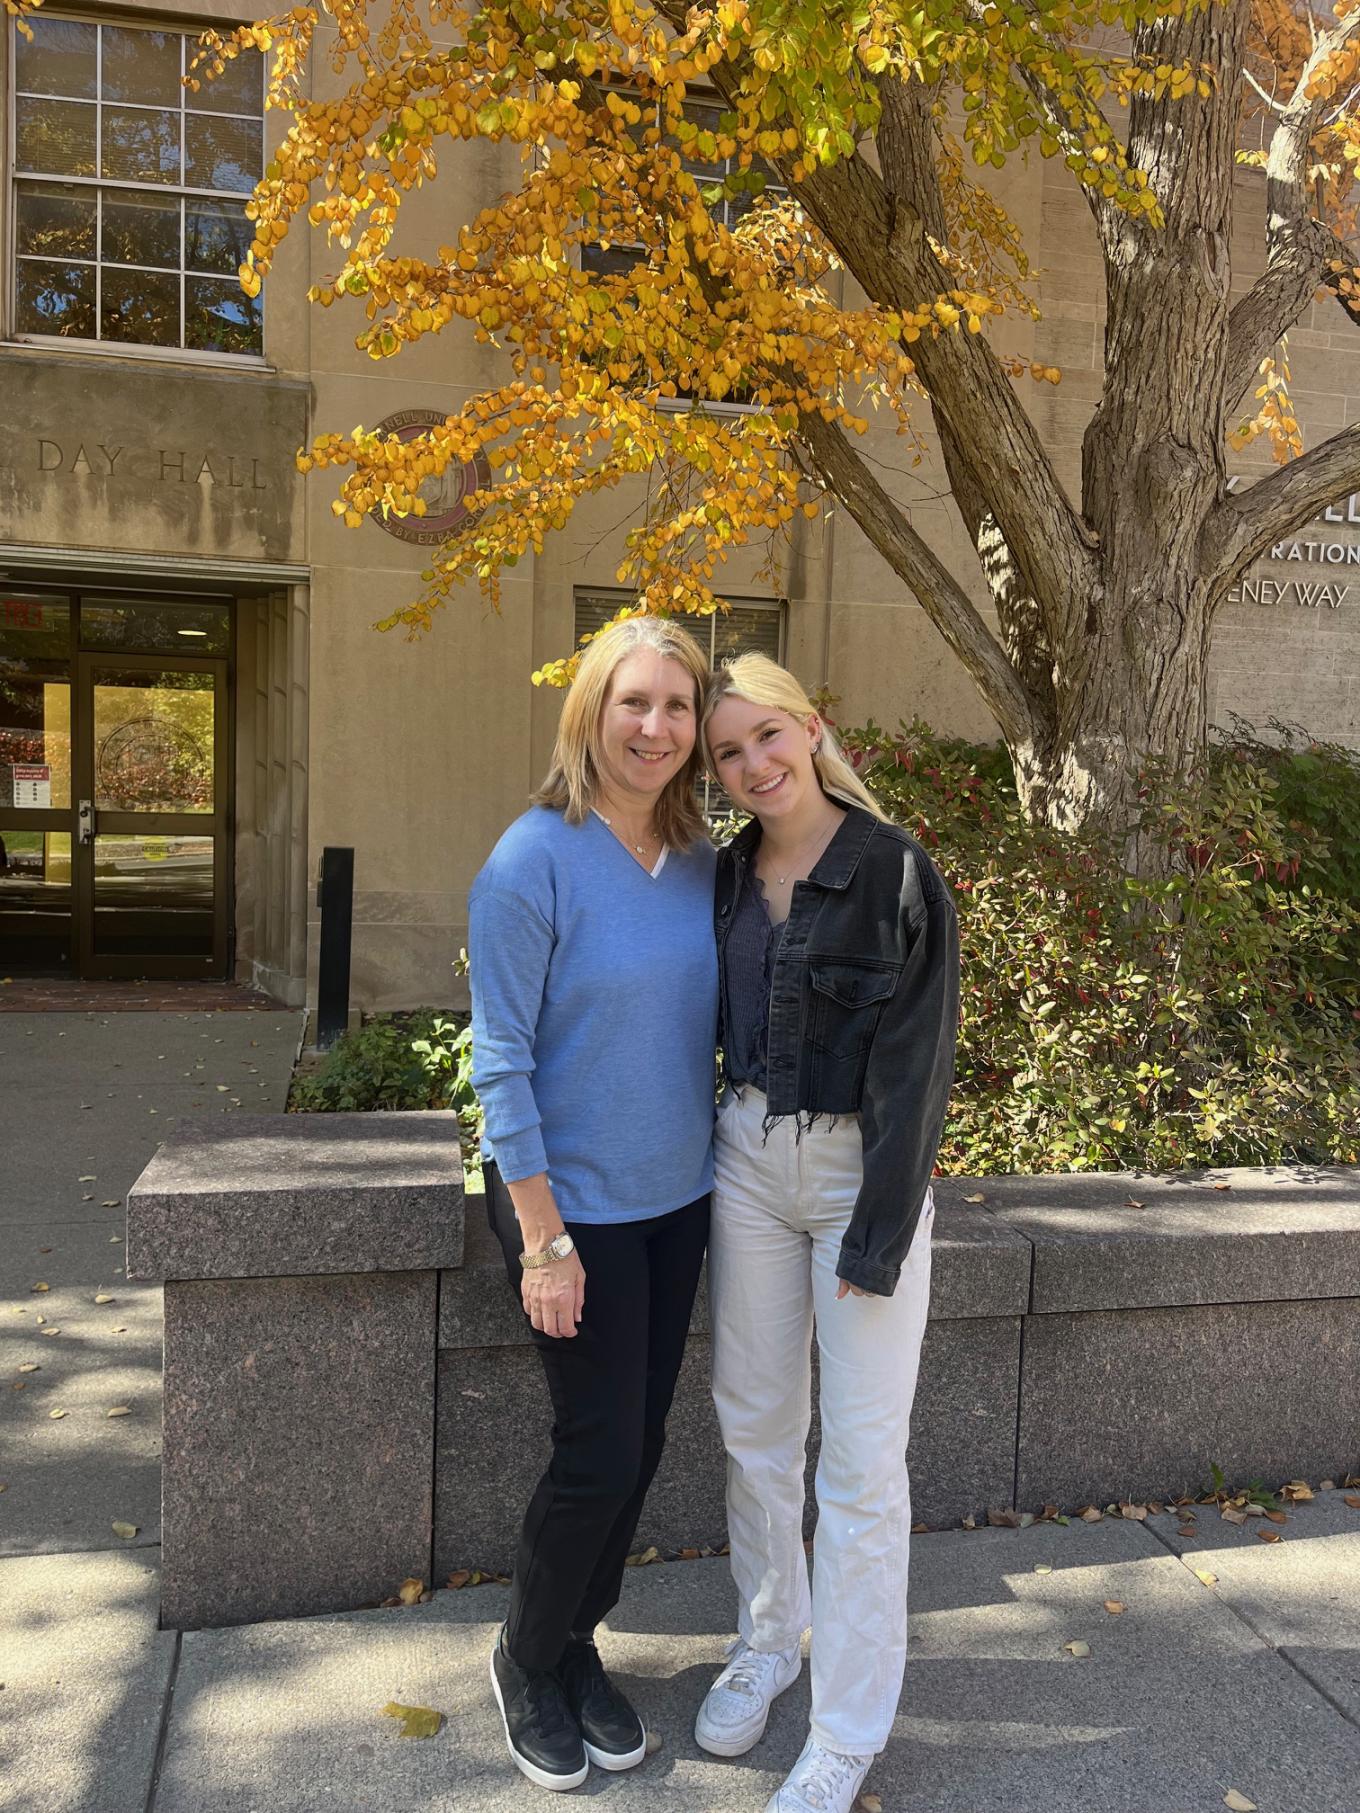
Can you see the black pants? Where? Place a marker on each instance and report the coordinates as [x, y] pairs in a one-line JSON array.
[[611, 1386]]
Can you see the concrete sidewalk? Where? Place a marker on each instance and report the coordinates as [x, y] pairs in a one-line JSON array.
[[84, 1102], [1234, 1665], [1251, 1683]]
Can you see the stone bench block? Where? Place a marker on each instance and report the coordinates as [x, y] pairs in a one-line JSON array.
[[270, 1196], [1138, 1403], [1120, 1240], [299, 1426]]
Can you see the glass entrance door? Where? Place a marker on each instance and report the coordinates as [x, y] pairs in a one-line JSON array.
[[151, 818], [115, 821]]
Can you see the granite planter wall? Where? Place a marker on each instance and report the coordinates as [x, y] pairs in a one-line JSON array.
[[351, 1396], [301, 1261]]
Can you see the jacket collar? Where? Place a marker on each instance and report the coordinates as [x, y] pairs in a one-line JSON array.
[[838, 861]]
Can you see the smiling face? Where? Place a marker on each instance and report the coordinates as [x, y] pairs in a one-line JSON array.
[[647, 727], [763, 757]]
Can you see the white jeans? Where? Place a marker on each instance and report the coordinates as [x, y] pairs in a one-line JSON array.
[[779, 1210]]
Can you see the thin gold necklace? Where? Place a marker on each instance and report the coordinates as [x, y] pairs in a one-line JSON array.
[[640, 849], [798, 853]]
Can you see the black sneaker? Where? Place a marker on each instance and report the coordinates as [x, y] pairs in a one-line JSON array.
[[539, 1728], [611, 1731]]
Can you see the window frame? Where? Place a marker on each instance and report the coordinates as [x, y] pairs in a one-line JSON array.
[[684, 405], [185, 195], [713, 802]]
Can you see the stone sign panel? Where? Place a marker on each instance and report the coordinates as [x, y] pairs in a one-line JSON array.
[[101, 454]]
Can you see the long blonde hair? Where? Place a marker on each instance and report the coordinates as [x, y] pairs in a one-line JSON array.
[[572, 782], [761, 681]]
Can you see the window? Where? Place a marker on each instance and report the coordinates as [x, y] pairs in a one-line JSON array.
[[760, 179], [129, 190], [752, 626]]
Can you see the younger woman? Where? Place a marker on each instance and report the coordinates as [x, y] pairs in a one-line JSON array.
[[838, 962], [594, 1007]]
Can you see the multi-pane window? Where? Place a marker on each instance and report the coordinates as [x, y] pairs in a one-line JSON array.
[[751, 626], [129, 189]]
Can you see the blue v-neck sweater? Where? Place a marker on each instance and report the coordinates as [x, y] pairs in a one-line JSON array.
[[594, 1017]]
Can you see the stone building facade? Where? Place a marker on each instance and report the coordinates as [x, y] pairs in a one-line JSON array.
[[186, 630]]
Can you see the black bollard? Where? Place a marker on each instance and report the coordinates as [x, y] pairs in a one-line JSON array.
[[335, 897]]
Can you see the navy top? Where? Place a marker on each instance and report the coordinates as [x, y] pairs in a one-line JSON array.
[[752, 945]]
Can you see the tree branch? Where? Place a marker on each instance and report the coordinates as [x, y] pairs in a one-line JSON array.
[[1245, 523], [941, 597], [1300, 248]]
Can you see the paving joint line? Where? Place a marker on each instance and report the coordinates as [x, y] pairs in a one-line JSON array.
[[1260, 1635], [163, 1733]]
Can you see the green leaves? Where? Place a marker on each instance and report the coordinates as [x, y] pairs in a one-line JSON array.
[[1111, 1022]]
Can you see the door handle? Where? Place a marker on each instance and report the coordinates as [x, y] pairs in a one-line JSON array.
[[85, 821]]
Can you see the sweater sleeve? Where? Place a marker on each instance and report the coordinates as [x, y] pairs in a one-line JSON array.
[[510, 945]]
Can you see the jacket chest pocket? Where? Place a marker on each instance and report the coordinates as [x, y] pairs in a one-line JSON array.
[[847, 1001]]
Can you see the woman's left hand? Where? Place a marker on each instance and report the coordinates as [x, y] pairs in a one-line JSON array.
[[849, 1290]]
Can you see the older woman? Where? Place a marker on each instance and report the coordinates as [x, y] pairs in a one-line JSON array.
[[594, 995]]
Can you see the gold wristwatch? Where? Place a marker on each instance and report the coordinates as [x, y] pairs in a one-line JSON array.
[[557, 1248]]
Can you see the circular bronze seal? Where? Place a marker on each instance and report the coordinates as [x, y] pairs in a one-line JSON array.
[[445, 509]]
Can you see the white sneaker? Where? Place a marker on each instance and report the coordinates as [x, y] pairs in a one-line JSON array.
[[736, 1707], [821, 1781]]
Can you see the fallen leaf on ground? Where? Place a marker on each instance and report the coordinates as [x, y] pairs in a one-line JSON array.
[[969, 1523], [54, 1414], [104, 1297], [1223, 1186], [1078, 1648], [1132, 1202], [1230, 1514], [1203, 1574], [1277, 1517], [410, 1590], [126, 1530], [1136, 1512], [1353, 1500], [30, 1366], [1090, 1514], [1048, 1513], [1042, 1567], [114, 1202], [40, 1287], [689, 1554], [979, 1197], [1326, 1485], [871, 1803], [1187, 1529], [87, 1179], [1115, 1606], [460, 1578], [1269, 1535], [1298, 1490], [51, 1331], [1004, 1520], [1238, 1802], [416, 1721], [653, 1742], [120, 1410]]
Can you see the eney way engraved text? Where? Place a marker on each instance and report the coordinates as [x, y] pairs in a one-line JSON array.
[[157, 465], [1288, 591]]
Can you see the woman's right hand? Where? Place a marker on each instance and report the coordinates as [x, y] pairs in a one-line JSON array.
[[554, 1295]]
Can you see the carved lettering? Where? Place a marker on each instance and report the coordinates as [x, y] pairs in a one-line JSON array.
[[110, 456], [44, 463], [257, 483], [168, 460], [81, 461], [205, 465]]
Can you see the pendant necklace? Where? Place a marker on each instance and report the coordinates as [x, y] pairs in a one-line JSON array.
[[639, 849]]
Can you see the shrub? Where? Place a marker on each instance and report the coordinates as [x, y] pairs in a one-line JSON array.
[[416, 1060], [1317, 785], [1209, 1019]]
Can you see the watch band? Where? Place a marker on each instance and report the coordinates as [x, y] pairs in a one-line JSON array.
[[557, 1248]]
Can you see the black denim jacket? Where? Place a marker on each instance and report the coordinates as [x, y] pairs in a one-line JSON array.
[[864, 1012]]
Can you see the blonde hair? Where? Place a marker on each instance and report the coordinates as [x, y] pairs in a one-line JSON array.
[[761, 681], [572, 782]]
